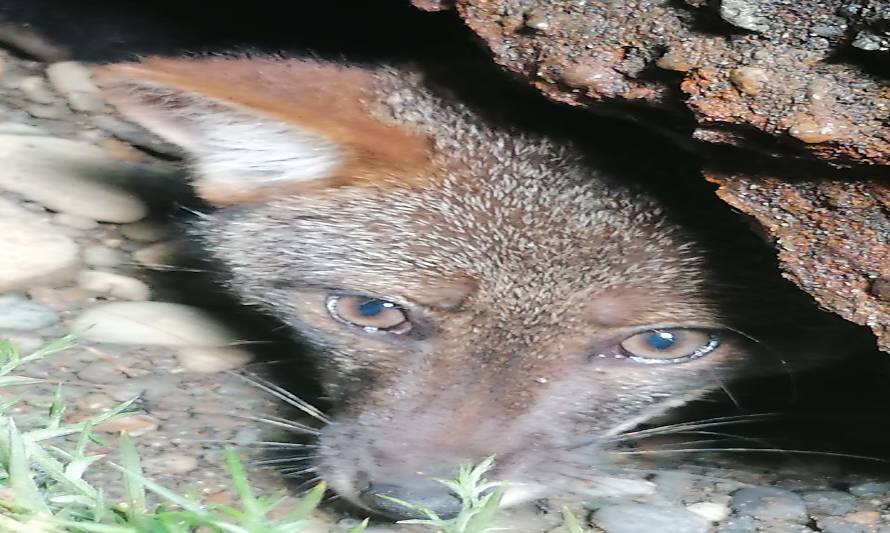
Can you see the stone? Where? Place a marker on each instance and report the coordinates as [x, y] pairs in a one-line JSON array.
[[151, 323], [159, 255], [33, 249], [102, 256], [144, 231], [829, 502], [711, 511], [36, 90], [75, 221], [170, 463], [638, 517], [20, 313], [72, 177], [769, 503], [72, 80], [135, 425], [210, 360], [871, 488], [833, 524], [115, 285], [101, 373]]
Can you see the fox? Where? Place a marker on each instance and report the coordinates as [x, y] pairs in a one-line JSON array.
[[468, 289]]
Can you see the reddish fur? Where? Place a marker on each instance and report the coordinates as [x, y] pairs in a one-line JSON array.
[[329, 100]]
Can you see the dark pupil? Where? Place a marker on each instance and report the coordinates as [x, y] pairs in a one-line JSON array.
[[371, 307], [661, 340]]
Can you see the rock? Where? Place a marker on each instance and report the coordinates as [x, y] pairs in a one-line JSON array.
[[25, 344], [17, 128], [209, 360], [46, 111], [101, 373], [768, 503], [72, 177], [135, 425], [639, 517], [711, 511], [829, 502], [18, 312], [872, 488], [159, 255], [75, 221], [116, 285], [72, 80], [170, 463], [33, 250], [151, 323], [102, 256], [36, 90], [144, 231], [833, 524]]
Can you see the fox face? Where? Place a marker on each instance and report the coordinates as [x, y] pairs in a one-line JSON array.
[[469, 290]]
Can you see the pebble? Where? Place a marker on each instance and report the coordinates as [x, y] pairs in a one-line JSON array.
[[711, 511], [639, 517], [151, 323], [160, 254], [768, 504], [171, 463], [72, 177], [18, 128], [25, 344], [33, 250], [72, 80], [36, 90], [102, 256], [49, 112], [96, 401], [144, 231], [871, 488], [75, 221], [152, 388], [19, 313], [135, 425], [115, 285], [833, 524], [829, 502], [102, 373], [209, 360]]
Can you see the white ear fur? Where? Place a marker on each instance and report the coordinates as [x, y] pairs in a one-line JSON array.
[[230, 148]]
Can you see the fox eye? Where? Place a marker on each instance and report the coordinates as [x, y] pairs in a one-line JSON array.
[[664, 346], [370, 314]]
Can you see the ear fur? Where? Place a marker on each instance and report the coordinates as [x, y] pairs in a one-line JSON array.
[[257, 128]]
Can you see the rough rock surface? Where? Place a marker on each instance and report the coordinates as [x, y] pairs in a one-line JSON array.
[[802, 80]]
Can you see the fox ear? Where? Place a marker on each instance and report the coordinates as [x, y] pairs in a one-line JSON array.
[[259, 128]]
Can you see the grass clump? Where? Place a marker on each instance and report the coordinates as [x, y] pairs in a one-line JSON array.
[[43, 487]]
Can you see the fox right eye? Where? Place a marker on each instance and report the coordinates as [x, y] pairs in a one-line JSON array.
[[368, 313]]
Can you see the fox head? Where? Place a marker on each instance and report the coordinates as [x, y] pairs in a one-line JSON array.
[[470, 290]]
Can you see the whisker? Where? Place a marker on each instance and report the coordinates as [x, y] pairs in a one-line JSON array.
[[280, 422], [756, 450], [283, 460], [290, 472], [258, 444], [691, 426], [284, 395]]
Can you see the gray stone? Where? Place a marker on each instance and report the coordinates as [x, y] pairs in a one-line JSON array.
[[768, 503], [36, 90], [871, 488], [72, 79], [151, 323], [829, 502], [641, 517], [102, 256], [101, 372], [20, 313], [115, 285], [210, 360], [33, 249], [739, 524], [75, 221], [72, 177], [833, 524]]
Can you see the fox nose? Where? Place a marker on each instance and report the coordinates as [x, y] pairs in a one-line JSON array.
[[432, 495]]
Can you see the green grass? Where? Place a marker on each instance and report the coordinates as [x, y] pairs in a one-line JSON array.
[[43, 488]]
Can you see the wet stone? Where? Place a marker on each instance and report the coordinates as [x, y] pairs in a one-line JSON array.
[[833, 524], [871, 488]]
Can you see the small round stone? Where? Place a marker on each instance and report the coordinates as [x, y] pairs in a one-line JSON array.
[[209, 360], [144, 231], [640, 517], [135, 425], [170, 463], [75, 221], [19, 313], [102, 256], [115, 285]]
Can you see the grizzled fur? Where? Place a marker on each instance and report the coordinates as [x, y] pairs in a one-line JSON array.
[[522, 268]]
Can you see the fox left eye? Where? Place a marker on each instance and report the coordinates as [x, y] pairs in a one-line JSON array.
[[370, 314], [661, 346]]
